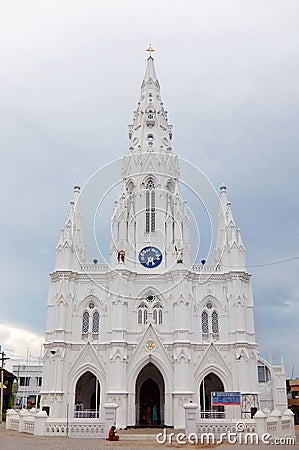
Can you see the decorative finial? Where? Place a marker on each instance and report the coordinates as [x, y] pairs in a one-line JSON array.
[[77, 187], [150, 50]]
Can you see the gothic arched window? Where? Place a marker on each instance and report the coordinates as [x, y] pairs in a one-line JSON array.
[[95, 322], [215, 327], [150, 310], [130, 187], [170, 186], [204, 323], [90, 320], [157, 314], [160, 316], [209, 322], [142, 314], [150, 220], [85, 322]]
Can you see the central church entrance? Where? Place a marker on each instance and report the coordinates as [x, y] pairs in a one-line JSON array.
[[150, 397]]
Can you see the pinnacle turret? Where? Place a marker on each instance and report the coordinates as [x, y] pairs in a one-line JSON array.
[[229, 249]]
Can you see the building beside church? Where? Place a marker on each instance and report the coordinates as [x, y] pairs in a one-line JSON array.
[[29, 379], [151, 330]]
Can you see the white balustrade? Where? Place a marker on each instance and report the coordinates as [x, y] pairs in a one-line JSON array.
[[95, 267]]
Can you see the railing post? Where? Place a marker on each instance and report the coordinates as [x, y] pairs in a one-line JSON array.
[[10, 414], [110, 416], [261, 422], [40, 423], [276, 415], [288, 415], [22, 417], [191, 417]]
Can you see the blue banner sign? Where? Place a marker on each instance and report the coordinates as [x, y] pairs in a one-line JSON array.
[[225, 398]]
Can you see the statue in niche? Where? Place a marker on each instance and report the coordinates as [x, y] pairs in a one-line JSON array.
[[179, 254], [121, 256]]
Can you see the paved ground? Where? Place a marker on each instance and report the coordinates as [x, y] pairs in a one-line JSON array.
[[12, 440]]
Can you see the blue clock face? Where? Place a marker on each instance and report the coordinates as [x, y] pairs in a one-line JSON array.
[[150, 257]]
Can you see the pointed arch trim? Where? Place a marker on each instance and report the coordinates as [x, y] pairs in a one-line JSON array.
[[210, 298], [79, 366], [84, 303], [166, 371], [224, 377]]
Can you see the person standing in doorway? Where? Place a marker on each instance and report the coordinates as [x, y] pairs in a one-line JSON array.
[[155, 415]]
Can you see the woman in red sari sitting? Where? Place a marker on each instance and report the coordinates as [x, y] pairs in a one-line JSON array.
[[112, 436]]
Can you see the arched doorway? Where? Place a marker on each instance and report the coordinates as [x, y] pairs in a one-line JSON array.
[[210, 383], [150, 393], [87, 397]]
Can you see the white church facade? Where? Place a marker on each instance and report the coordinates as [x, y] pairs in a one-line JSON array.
[[151, 331]]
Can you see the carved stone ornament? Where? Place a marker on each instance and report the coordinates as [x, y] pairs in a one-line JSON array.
[[212, 359], [150, 345]]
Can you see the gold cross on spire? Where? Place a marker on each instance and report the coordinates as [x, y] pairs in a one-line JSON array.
[[150, 49]]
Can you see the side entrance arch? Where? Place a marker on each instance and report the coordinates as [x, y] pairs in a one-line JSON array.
[[87, 397], [210, 383], [150, 397]]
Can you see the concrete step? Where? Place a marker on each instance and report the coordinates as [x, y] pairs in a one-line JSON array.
[[142, 434], [137, 437]]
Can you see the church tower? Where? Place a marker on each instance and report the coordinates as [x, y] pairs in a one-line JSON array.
[[150, 224], [151, 330]]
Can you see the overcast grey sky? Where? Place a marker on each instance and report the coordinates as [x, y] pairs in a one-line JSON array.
[[69, 82]]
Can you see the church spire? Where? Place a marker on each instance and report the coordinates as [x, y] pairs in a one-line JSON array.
[[150, 131], [70, 250], [150, 212], [150, 72]]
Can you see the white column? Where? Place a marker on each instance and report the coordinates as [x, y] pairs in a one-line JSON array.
[[191, 417], [110, 416], [40, 423]]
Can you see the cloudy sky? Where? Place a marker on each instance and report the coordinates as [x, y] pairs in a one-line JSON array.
[[69, 82]]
